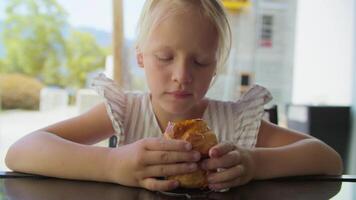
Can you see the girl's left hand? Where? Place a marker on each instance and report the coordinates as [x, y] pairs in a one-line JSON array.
[[236, 163]]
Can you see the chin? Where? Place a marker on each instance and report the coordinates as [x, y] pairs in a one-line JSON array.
[[177, 108]]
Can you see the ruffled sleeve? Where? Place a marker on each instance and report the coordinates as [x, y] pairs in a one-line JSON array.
[[248, 113], [115, 102]]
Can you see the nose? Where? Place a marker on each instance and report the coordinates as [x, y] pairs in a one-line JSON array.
[[182, 73]]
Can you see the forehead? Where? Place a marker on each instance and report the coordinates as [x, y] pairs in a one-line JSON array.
[[185, 26], [177, 9]]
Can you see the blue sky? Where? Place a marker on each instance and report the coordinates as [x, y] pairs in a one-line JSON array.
[[97, 14], [2, 10], [93, 13]]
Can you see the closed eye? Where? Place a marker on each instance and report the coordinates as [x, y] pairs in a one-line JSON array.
[[164, 59], [202, 64]]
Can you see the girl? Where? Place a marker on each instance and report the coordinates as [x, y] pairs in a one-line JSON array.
[[181, 45]]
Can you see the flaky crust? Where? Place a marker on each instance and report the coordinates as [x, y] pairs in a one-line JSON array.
[[202, 139]]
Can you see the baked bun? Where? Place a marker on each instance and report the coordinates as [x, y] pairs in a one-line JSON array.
[[202, 139]]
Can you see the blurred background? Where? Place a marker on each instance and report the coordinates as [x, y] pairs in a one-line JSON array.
[[303, 51]]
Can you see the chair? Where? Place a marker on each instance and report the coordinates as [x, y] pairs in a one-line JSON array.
[[271, 114], [113, 141]]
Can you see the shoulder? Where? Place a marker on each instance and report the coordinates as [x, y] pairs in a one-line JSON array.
[[256, 92], [109, 89], [120, 103], [240, 120], [255, 98]]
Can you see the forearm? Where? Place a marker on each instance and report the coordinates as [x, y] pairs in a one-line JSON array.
[[49, 155], [305, 157]]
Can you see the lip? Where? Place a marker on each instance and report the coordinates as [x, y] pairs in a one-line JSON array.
[[180, 94]]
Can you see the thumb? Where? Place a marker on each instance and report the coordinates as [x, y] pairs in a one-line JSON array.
[[221, 149]]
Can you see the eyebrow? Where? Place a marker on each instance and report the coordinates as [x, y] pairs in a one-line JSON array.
[[198, 54]]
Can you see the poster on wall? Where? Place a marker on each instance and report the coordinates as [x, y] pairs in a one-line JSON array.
[[266, 34], [236, 5]]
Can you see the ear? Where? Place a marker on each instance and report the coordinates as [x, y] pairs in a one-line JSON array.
[[139, 57]]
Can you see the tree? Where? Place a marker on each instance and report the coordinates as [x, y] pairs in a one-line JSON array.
[[2, 66], [39, 42], [83, 55], [33, 38]]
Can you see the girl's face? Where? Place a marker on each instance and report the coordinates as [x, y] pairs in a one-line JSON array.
[[179, 58]]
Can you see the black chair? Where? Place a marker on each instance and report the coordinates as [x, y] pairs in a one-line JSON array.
[[113, 141], [271, 114]]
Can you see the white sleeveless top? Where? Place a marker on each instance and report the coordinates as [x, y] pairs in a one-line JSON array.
[[133, 118]]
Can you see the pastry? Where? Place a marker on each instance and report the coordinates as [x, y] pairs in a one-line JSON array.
[[202, 139]]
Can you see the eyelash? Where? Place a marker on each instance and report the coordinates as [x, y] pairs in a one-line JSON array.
[[163, 59], [169, 59], [200, 64]]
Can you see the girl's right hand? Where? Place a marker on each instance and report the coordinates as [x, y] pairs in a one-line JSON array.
[[140, 163]]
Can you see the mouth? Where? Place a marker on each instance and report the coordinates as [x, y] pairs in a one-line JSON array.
[[180, 94]]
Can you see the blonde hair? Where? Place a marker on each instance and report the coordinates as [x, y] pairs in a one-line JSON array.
[[212, 9]]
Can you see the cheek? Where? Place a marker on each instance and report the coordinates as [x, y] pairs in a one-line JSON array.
[[203, 82], [205, 78], [156, 77], [204, 85]]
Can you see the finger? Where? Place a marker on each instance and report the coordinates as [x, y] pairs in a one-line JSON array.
[[159, 185], [162, 144], [221, 149], [225, 185], [226, 175], [229, 160], [167, 157], [169, 170]]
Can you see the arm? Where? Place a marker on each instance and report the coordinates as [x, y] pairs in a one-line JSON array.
[[61, 150], [279, 152], [282, 152]]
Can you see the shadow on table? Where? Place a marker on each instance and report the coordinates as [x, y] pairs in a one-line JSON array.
[[58, 189], [290, 190]]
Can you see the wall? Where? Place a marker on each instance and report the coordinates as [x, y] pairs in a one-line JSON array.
[[268, 65], [325, 57], [274, 65], [323, 52], [352, 156]]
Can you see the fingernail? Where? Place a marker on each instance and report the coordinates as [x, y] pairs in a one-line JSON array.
[[175, 184], [192, 166], [196, 156], [210, 179], [188, 146], [212, 187], [214, 153], [203, 165]]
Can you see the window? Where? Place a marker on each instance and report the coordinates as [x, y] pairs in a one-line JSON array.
[[47, 60]]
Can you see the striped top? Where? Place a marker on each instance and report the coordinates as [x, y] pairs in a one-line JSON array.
[[133, 118]]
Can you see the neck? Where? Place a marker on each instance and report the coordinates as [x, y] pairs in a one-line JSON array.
[[163, 117]]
